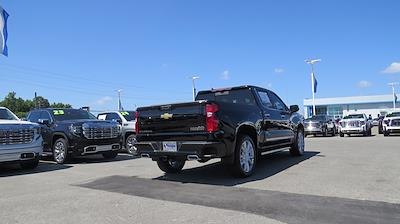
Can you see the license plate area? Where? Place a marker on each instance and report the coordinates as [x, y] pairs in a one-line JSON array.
[[170, 146]]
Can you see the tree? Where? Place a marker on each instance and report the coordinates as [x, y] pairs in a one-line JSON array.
[[21, 107]]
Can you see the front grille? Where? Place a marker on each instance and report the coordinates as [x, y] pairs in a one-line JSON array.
[[354, 124], [314, 124], [16, 136], [395, 123], [100, 132]]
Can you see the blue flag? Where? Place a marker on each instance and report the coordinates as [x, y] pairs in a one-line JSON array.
[[3, 31], [315, 83]]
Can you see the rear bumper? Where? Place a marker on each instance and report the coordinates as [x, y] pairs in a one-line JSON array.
[[202, 149]]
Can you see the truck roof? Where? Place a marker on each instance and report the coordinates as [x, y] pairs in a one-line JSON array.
[[230, 88]]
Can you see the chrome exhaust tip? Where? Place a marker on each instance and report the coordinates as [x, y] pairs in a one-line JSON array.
[[145, 155], [193, 157]]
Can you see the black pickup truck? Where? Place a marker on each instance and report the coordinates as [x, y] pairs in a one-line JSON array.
[[235, 124], [76, 132]]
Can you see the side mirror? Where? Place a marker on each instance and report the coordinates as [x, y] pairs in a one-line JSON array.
[[294, 108], [118, 120], [44, 121]]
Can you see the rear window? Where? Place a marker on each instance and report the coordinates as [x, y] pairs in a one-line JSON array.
[[240, 97]]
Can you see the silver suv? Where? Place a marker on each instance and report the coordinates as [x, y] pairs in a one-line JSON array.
[[20, 141], [128, 122]]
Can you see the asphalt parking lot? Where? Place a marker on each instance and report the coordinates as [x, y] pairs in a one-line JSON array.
[[338, 180]]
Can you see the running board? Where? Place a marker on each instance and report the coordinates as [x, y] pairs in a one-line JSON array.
[[274, 151]]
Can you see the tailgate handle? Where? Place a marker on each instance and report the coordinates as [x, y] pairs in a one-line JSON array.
[[165, 107]]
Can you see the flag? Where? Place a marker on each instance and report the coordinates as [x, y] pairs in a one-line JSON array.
[[395, 98], [315, 83], [3, 31]]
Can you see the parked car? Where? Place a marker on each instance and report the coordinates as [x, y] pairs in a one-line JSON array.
[[20, 141], [235, 124], [127, 121], [391, 123], [380, 124], [72, 132], [320, 125], [355, 124], [375, 122]]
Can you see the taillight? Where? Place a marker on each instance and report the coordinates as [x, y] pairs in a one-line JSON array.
[[211, 119], [137, 122]]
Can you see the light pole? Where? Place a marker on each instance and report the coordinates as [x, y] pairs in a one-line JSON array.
[[194, 86], [119, 100], [313, 80], [393, 84]]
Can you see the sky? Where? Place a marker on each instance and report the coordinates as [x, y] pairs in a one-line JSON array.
[[81, 52]]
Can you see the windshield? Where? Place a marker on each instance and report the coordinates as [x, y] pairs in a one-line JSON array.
[[317, 118], [354, 116], [395, 114], [7, 115], [129, 115], [72, 114]]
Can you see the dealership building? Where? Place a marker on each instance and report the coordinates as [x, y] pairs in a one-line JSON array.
[[342, 106]]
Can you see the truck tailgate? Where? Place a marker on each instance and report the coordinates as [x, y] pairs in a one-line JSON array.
[[172, 118]]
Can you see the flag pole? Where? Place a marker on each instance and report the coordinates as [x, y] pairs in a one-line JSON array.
[[312, 89], [392, 84]]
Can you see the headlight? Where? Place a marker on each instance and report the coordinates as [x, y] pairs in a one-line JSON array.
[[37, 130], [387, 121], [75, 130], [362, 122]]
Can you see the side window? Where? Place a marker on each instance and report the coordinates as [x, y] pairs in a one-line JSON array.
[[112, 116], [102, 116], [34, 116], [265, 101], [45, 115], [277, 103]]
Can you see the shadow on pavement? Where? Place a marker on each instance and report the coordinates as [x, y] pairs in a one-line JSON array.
[[7, 170], [218, 174], [98, 158]]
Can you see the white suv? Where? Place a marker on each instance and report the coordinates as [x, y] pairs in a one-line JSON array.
[[127, 119], [20, 141], [355, 124], [391, 123]]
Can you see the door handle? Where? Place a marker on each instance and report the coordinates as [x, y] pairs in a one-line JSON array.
[[283, 116], [268, 115]]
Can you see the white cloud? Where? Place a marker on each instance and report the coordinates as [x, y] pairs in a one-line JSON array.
[[103, 100], [279, 70], [364, 84], [225, 75], [393, 68]]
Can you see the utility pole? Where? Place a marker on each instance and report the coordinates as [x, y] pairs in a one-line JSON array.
[[313, 90], [36, 106], [119, 100], [393, 84], [194, 86]]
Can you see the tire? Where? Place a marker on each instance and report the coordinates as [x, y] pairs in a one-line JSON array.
[[245, 157], [297, 148], [325, 133], [333, 132], [129, 141], [341, 134], [386, 133], [171, 166], [60, 151], [29, 164], [110, 154]]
